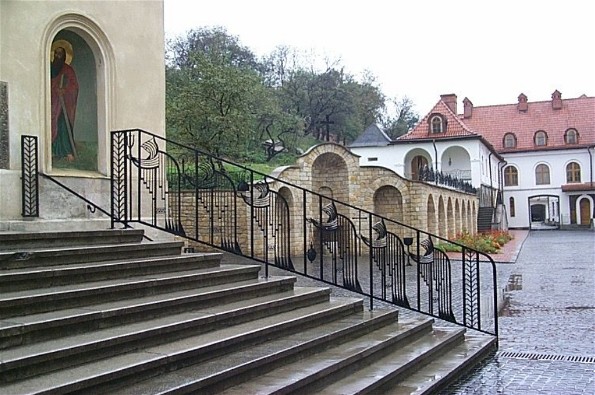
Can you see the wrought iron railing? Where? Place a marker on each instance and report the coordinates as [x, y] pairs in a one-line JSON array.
[[175, 188], [447, 179], [30, 182], [29, 177]]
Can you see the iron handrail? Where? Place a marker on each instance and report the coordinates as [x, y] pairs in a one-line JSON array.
[[216, 202]]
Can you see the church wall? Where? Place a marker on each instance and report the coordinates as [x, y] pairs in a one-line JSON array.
[[127, 41]]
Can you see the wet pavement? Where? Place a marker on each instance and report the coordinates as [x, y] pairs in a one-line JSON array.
[[547, 330]]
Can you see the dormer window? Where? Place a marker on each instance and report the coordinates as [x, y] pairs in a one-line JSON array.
[[540, 138], [509, 140], [437, 124], [571, 136]]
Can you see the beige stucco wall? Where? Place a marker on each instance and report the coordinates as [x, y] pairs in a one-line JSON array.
[[127, 41]]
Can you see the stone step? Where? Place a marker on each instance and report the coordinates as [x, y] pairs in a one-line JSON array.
[[19, 241], [38, 277], [44, 257], [437, 374], [149, 359], [43, 326], [33, 301], [370, 375], [285, 364]]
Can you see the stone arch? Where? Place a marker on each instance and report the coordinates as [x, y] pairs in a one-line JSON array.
[[442, 224], [295, 219], [457, 217], [464, 219], [450, 219], [388, 202], [99, 48], [329, 172], [474, 219], [469, 217], [432, 223]]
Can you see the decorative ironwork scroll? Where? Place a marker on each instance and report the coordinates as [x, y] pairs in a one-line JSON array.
[[339, 237], [388, 251], [435, 269]]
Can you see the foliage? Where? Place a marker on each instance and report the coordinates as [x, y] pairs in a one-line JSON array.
[[222, 99], [487, 242], [404, 120]]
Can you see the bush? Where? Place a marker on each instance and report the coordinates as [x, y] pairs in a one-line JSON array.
[[487, 242]]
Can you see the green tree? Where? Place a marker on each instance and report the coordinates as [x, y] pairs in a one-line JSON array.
[[214, 93], [403, 120]]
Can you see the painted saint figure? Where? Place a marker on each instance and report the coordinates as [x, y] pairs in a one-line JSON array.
[[65, 89]]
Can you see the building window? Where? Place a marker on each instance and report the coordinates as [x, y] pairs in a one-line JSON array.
[[540, 138], [437, 124], [372, 159], [512, 209], [571, 136], [511, 176], [509, 140], [573, 172], [542, 175]]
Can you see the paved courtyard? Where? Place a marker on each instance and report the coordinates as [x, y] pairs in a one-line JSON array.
[[547, 331]]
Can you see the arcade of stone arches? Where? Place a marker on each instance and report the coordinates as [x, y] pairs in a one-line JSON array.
[[332, 170]]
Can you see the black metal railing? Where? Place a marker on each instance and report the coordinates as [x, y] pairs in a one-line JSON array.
[[30, 182], [175, 188], [29, 177], [429, 175]]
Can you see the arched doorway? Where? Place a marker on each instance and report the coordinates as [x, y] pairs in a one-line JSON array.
[[417, 163], [585, 211], [74, 121], [544, 212]]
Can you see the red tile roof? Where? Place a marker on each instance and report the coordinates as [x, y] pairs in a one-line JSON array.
[[455, 128], [493, 122]]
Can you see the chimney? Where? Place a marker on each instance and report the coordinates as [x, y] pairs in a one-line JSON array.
[[522, 106], [556, 100], [451, 101], [468, 108]]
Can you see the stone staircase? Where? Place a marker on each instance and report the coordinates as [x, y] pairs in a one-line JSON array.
[[104, 312], [485, 216]]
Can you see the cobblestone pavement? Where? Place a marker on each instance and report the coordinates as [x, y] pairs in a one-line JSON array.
[[547, 331]]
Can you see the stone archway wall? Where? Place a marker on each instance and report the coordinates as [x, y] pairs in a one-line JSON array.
[[332, 167]]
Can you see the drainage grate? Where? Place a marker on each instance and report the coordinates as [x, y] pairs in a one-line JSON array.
[[546, 357]]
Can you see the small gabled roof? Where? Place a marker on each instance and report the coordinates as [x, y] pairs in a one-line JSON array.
[[455, 127], [373, 136]]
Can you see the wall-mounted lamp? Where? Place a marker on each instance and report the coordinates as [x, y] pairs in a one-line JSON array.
[[449, 161]]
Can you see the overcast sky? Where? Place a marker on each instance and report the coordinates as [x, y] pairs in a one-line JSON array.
[[488, 51]]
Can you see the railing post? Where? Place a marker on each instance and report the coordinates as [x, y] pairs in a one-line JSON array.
[[29, 177]]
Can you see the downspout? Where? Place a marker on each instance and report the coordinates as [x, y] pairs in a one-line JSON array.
[[491, 183], [435, 161], [590, 164]]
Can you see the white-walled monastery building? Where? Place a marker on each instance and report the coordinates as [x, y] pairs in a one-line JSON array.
[[531, 162]]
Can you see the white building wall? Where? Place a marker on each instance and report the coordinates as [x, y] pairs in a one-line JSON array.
[[127, 39], [526, 164]]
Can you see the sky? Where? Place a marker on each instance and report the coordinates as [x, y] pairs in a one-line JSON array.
[[488, 51]]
